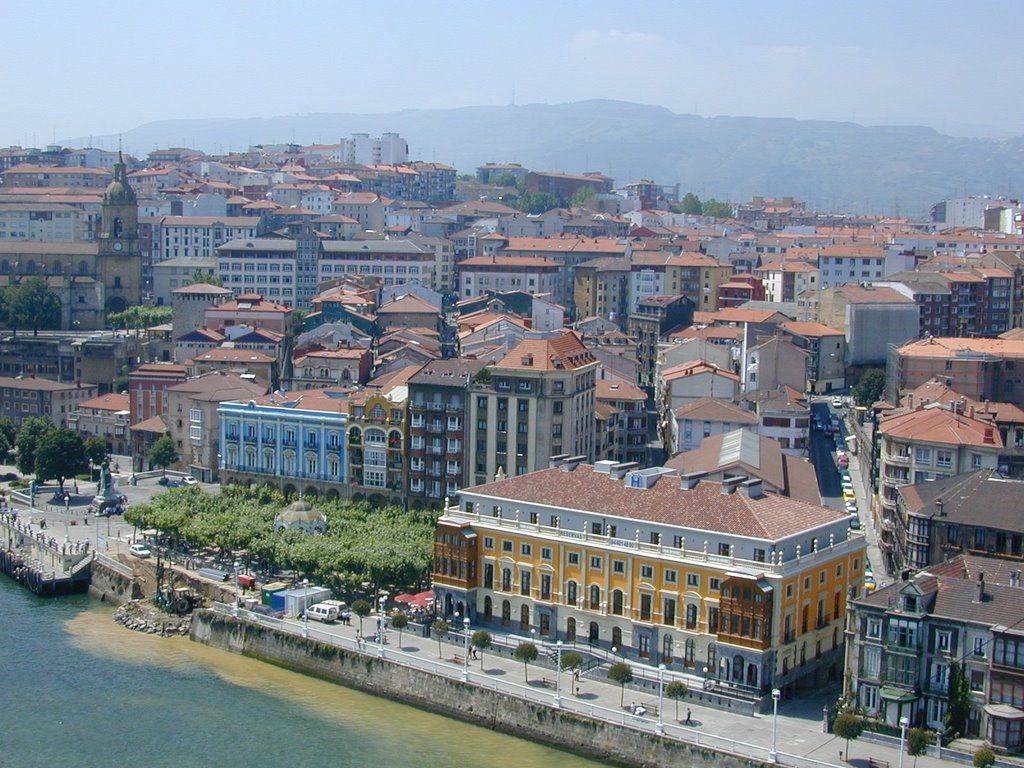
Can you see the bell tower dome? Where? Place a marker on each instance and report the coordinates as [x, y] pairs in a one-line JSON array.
[[120, 207]]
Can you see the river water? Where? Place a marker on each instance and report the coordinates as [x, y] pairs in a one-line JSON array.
[[77, 690]]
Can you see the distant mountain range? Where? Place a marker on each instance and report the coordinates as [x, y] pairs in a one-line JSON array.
[[896, 170]]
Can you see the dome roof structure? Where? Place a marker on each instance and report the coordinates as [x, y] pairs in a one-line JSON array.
[[300, 515], [119, 190]]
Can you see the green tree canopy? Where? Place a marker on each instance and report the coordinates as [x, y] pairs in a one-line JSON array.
[[361, 608], [572, 660], [33, 304], [984, 758], [139, 317], [481, 640], [536, 202], [690, 204], [718, 210], [163, 453], [918, 741], [676, 690], [59, 454], [96, 449], [440, 629], [582, 197], [525, 652], [848, 726], [200, 277], [28, 438], [958, 701], [400, 621], [870, 388], [620, 672], [504, 180], [8, 435]]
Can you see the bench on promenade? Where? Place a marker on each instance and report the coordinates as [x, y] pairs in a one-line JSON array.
[[873, 763], [547, 683], [458, 659]]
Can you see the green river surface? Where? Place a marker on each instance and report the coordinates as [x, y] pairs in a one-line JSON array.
[[78, 690]]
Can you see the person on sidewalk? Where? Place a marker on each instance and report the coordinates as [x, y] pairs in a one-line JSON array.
[[689, 712]]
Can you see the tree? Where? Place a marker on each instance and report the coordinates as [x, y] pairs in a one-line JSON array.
[[582, 197], [481, 640], [870, 388], [676, 690], [33, 304], [620, 672], [692, 205], [918, 741], [200, 277], [60, 454], [717, 210], [440, 628], [958, 701], [361, 608], [96, 450], [525, 652], [163, 453], [28, 438], [848, 726], [572, 660], [399, 621], [504, 180], [984, 758], [8, 435], [536, 202]]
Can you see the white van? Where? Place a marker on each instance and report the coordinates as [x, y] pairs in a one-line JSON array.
[[328, 614]]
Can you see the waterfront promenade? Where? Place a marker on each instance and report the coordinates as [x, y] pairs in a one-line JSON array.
[[800, 742]]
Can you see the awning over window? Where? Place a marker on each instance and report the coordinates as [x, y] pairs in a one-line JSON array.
[[901, 695], [1004, 712]]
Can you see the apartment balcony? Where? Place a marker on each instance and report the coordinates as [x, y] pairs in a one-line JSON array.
[[895, 481], [903, 459], [887, 503]]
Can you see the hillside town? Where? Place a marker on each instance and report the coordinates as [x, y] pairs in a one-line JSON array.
[[767, 449]]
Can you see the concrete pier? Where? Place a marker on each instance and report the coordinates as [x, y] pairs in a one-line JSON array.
[[41, 562]]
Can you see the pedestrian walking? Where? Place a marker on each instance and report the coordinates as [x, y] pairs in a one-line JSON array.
[[688, 713]]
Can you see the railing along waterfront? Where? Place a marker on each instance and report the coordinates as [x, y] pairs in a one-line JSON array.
[[543, 696]]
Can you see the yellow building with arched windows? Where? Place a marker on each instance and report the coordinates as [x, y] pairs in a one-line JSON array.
[[745, 588]]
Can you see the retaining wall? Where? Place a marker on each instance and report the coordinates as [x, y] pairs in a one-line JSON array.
[[487, 708]]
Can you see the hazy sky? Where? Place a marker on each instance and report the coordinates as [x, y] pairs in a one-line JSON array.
[[93, 68]]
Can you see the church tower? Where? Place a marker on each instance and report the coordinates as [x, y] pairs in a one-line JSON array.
[[119, 254]]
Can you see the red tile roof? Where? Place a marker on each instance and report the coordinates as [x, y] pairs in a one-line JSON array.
[[936, 424]]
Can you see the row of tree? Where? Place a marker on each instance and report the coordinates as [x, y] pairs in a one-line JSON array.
[[381, 546], [30, 303], [56, 453]]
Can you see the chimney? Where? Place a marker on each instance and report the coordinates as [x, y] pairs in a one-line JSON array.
[[690, 480], [938, 508], [990, 436], [754, 488], [1014, 578], [618, 471], [572, 462], [980, 595], [730, 485], [556, 461]]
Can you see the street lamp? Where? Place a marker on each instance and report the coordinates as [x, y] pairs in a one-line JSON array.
[[904, 722], [659, 727], [381, 623], [776, 695], [558, 675], [465, 655]]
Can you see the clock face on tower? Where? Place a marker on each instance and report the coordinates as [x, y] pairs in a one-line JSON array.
[[118, 246]]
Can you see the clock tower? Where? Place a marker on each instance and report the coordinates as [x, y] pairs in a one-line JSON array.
[[119, 255]]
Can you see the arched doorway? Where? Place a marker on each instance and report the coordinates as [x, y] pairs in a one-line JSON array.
[[617, 602], [752, 675], [488, 608], [737, 668], [570, 630], [448, 605], [617, 638], [460, 608], [524, 617], [506, 613], [594, 632]]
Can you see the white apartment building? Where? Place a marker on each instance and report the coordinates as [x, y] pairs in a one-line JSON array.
[[386, 149], [260, 265], [43, 222], [200, 235], [394, 261]]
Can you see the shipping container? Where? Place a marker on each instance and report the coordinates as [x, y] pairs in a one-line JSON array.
[[270, 589], [298, 600]]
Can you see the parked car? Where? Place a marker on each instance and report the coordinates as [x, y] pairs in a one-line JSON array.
[[851, 507], [849, 495], [189, 481], [844, 462], [855, 522], [837, 402], [139, 550]]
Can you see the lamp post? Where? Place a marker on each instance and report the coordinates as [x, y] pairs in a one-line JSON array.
[[659, 727], [904, 722], [381, 623], [558, 675], [776, 695], [465, 655]]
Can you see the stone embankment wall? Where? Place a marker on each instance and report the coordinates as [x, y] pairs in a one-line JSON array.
[[112, 583], [569, 731]]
